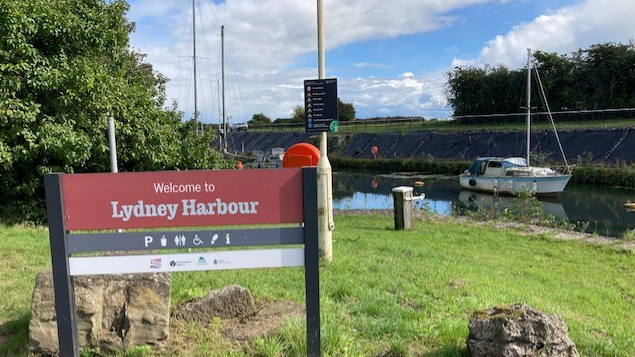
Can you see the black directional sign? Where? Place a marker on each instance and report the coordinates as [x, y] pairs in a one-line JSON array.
[[320, 105], [157, 240]]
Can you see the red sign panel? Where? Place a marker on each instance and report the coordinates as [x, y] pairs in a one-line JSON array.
[[182, 198]]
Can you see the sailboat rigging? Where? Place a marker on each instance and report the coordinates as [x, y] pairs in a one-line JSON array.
[[223, 126], [224, 112], [512, 175], [196, 113]]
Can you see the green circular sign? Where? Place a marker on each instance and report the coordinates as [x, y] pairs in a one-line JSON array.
[[334, 126]]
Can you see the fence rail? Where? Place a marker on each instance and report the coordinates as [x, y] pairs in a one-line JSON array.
[[413, 123], [566, 115]]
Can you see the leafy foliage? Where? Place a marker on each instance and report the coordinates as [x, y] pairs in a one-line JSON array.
[[599, 77], [297, 114], [425, 164], [345, 111], [260, 118], [484, 90], [65, 66]]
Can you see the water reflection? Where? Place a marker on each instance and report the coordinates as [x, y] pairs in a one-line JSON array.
[[469, 198], [594, 209]]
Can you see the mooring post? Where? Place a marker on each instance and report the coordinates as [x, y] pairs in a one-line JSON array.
[[402, 197]]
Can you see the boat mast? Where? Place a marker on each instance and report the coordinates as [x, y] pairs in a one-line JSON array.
[[222, 61], [194, 60], [220, 115], [528, 101]]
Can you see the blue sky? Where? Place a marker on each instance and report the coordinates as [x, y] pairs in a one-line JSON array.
[[390, 58]]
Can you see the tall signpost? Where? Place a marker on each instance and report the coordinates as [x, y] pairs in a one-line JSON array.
[[325, 179], [158, 207]]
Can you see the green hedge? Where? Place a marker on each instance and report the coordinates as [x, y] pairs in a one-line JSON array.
[[400, 165], [607, 176]]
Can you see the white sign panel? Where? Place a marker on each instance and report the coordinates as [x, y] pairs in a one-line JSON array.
[[161, 263]]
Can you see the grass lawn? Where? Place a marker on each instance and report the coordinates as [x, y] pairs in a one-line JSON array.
[[389, 293]]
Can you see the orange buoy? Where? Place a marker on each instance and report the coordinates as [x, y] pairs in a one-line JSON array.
[[300, 155]]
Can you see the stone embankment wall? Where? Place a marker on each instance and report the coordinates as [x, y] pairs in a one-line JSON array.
[[610, 146]]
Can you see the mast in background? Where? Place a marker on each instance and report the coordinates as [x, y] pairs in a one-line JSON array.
[[220, 115], [528, 102], [194, 60], [222, 61]]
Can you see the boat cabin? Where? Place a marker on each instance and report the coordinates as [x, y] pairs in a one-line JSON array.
[[496, 166]]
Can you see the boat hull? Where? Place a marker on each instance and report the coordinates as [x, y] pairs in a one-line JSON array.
[[549, 186]]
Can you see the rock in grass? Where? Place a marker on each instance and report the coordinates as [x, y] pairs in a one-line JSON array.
[[114, 312], [227, 302], [518, 331]]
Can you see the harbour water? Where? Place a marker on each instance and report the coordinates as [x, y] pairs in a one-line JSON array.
[[592, 209]]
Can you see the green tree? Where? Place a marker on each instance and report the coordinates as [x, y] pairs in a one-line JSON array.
[[561, 81], [599, 77], [488, 90], [464, 89], [610, 71], [297, 114], [345, 111], [260, 119], [65, 66]]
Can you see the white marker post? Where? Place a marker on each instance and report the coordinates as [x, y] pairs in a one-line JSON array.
[[113, 150], [112, 144], [324, 176]]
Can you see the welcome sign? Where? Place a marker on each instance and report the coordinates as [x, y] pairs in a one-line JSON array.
[[178, 199], [84, 209]]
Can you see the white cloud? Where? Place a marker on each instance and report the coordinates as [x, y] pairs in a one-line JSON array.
[[266, 38], [270, 41], [564, 31], [408, 95]]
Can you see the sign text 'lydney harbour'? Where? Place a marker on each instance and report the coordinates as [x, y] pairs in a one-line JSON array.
[[186, 207]]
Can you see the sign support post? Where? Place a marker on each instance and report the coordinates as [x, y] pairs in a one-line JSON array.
[[64, 294], [311, 264]]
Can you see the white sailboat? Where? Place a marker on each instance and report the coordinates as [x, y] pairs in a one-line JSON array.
[[512, 175]]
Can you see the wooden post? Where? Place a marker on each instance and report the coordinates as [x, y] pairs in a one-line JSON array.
[[402, 197]]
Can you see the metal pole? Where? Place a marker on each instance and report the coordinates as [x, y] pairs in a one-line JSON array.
[[62, 283], [528, 102], [220, 115], [194, 60], [311, 263], [112, 144], [113, 150], [324, 176], [222, 61]]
